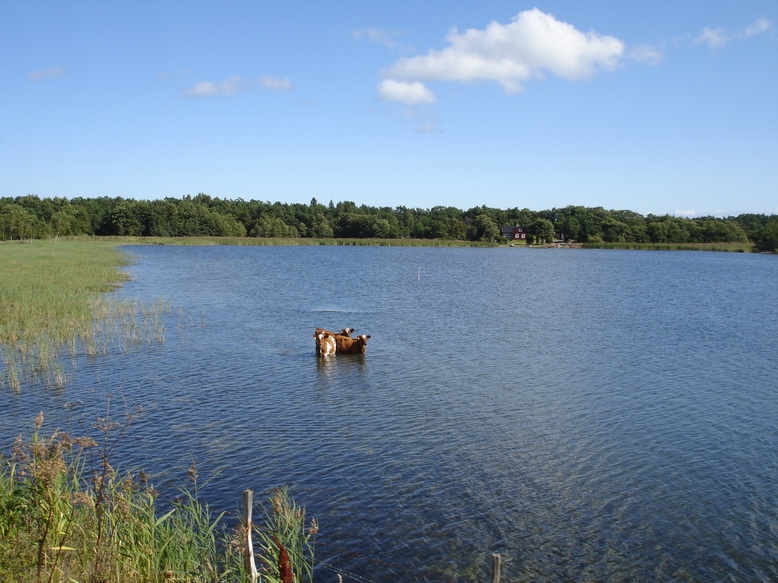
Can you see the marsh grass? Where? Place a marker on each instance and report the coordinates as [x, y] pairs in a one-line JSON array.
[[67, 515], [726, 247], [286, 544], [53, 301], [281, 241]]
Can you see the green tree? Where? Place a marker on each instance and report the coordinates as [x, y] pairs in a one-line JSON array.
[[16, 222], [766, 239], [320, 227], [363, 226], [269, 226], [540, 230], [127, 219], [657, 231], [678, 230], [614, 231], [483, 229]]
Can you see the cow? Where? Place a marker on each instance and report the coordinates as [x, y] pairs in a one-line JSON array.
[[325, 344], [344, 332], [346, 345]]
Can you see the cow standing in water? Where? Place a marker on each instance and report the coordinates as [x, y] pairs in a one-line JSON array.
[[346, 345], [325, 344], [344, 332], [321, 331]]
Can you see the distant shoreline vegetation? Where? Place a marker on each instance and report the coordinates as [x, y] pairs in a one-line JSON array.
[[32, 217]]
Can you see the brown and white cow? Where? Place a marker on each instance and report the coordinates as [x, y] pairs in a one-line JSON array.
[[325, 344], [346, 345], [343, 332]]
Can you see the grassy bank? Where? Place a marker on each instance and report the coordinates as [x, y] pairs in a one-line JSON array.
[[270, 241], [280, 241], [730, 247], [53, 300], [67, 515]]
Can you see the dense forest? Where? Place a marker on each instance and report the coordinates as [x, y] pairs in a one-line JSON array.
[[202, 215]]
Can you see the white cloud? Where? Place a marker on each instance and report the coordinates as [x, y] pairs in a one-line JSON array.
[[46, 73], [210, 89], [276, 83], [509, 54], [714, 38], [409, 93], [759, 26], [717, 38], [646, 54], [686, 213], [235, 85], [381, 37]]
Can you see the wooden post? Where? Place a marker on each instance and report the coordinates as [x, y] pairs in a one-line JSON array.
[[496, 567], [248, 503]]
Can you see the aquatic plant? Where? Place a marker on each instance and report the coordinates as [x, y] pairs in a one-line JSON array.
[[54, 302], [286, 543], [66, 514]]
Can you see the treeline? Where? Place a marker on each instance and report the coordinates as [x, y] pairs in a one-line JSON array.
[[202, 215]]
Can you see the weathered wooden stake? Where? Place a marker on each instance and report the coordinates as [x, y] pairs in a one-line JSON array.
[[496, 567], [248, 503]]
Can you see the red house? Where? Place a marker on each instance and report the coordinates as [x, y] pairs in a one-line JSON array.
[[513, 232]]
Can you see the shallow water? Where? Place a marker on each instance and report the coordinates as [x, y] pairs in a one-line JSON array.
[[590, 415]]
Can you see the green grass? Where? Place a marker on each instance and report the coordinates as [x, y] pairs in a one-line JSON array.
[[67, 515], [53, 300], [276, 241], [727, 247]]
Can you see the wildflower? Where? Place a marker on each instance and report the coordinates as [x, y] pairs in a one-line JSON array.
[[278, 502], [314, 528], [84, 442], [81, 498]]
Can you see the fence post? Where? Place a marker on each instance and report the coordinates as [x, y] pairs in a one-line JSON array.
[[496, 560], [248, 557]]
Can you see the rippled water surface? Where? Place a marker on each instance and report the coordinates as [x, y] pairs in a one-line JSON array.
[[590, 415]]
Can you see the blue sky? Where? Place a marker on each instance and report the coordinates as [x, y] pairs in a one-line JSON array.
[[664, 107]]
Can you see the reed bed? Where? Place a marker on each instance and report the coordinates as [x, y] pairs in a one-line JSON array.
[[67, 515], [281, 241], [726, 247], [53, 301]]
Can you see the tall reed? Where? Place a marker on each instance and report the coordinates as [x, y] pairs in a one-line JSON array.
[[66, 514], [721, 247]]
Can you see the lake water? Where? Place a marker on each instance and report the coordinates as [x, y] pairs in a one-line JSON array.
[[590, 415]]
